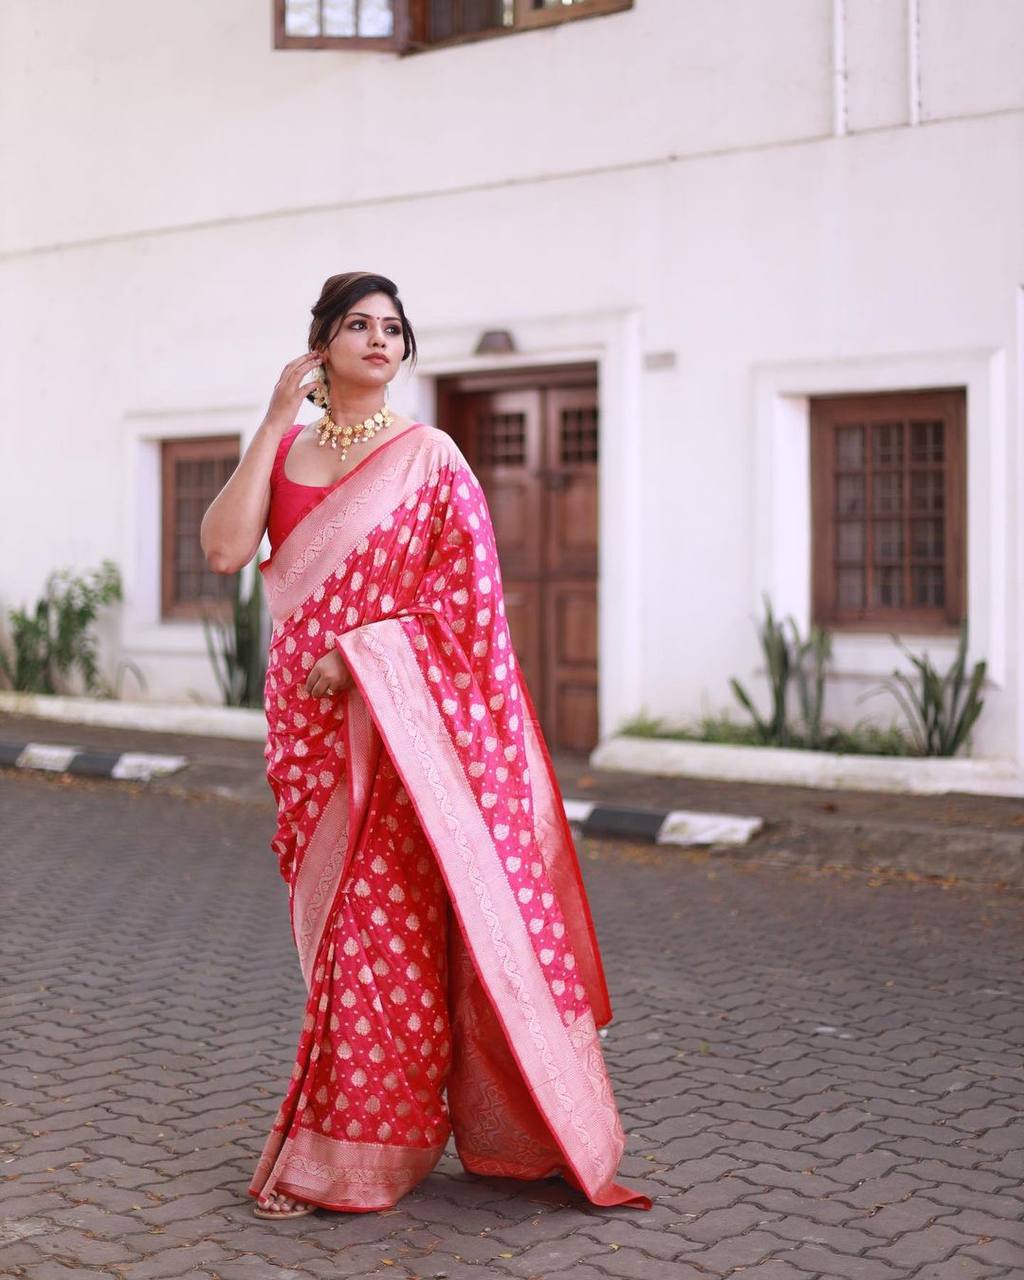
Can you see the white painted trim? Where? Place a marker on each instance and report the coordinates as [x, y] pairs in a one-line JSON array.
[[612, 339], [808, 768], [781, 394], [143, 632], [244, 723]]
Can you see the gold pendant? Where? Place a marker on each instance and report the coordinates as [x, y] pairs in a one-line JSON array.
[[328, 430]]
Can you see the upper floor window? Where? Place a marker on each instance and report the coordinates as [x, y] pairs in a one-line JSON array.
[[888, 505], [411, 25]]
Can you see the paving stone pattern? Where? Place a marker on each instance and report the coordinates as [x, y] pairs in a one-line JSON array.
[[819, 1072]]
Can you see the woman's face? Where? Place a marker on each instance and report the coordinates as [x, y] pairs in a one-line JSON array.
[[370, 328]]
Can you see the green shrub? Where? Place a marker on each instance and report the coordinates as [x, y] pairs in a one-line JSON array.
[[56, 638], [940, 709], [862, 739]]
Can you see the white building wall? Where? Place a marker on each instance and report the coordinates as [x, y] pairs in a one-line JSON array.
[[666, 180]]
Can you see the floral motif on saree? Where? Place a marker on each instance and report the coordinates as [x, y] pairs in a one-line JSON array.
[[454, 980]]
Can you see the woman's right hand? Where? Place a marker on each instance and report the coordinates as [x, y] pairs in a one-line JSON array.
[[330, 674], [236, 520], [288, 395]]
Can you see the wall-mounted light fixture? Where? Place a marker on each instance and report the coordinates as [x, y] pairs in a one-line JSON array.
[[495, 342]]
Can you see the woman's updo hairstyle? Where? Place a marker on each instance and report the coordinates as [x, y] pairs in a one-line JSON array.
[[340, 294]]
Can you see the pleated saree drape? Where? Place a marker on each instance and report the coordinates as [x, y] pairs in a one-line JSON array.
[[454, 981]]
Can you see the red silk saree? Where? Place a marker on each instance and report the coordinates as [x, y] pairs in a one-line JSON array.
[[453, 976]]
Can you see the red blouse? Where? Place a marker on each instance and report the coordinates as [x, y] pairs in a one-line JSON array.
[[290, 501]]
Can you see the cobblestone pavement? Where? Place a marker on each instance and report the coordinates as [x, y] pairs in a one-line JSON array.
[[819, 1072]]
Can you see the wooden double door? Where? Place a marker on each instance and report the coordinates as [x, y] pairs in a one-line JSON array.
[[531, 438]]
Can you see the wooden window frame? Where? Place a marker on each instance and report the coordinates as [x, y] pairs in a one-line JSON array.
[[410, 26], [398, 42], [172, 451], [827, 414], [528, 19]]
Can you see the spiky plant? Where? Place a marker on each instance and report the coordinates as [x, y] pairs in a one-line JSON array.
[[940, 709], [236, 647]]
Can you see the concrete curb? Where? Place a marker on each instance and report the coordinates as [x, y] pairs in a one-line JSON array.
[[822, 769], [124, 766], [619, 753], [894, 844], [660, 826], [244, 723]]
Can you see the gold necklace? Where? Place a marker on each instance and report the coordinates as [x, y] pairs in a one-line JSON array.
[[328, 430]]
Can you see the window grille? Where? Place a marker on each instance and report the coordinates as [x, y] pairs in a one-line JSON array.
[[193, 472], [888, 504]]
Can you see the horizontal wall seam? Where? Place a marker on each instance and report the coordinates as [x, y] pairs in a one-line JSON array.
[[444, 193]]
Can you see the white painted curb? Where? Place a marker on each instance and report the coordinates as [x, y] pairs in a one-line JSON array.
[[141, 766], [808, 768], [245, 723], [44, 755], [688, 828], [135, 766], [578, 810]]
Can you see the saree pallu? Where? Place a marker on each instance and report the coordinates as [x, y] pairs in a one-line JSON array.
[[453, 976]]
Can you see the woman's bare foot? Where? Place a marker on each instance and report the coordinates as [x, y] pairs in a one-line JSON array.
[[277, 1205]]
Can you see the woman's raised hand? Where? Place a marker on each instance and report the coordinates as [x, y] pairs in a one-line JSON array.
[[289, 393], [329, 675]]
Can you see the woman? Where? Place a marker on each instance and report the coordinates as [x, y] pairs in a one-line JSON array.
[[454, 982]]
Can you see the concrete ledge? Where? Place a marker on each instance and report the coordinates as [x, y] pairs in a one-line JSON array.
[[808, 768], [52, 757], [246, 723], [674, 826]]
